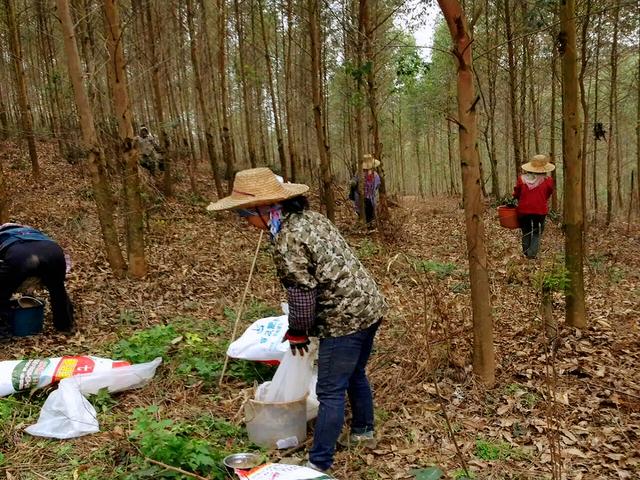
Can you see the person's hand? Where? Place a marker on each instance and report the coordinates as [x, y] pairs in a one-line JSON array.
[[297, 341]]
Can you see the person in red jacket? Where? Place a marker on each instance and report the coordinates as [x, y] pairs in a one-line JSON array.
[[533, 189]]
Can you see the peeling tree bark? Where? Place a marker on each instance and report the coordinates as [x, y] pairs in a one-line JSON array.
[[483, 351], [127, 149], [95, 153]]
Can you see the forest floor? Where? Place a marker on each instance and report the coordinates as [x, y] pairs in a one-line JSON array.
[[183, 310]]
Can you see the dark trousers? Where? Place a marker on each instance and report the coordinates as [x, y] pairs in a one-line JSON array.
[[45, 261], [369, 211], [532, 227], [341, 371]]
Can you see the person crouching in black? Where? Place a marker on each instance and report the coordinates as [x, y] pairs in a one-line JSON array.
[[27, 253]]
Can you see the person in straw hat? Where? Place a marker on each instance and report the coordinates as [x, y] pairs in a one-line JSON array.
[[533, 189], [330, 294], [371, 186]]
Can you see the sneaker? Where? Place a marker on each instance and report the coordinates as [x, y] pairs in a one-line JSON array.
[[366, 440], [313, 466]]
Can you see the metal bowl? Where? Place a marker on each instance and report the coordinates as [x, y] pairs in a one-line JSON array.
[[242, 461]]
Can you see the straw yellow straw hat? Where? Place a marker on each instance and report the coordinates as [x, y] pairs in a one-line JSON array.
[[539, 164], [255, 187], [368, 162]]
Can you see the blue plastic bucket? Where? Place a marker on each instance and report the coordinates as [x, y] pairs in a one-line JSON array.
[[26, 316]]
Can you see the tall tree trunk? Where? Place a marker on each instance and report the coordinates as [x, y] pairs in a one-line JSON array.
[[515, 131], [26, 115], [612, 113], [158, 94], [274, 98], [226, 134], [571, 149], [372, 100], [95, 153], [594, 171], [291, 142], [318, 108], [490, 133], [248, 118], [638, 119], [127, 149], [197, 79], [483, 352], [584, 61], [552, 133]]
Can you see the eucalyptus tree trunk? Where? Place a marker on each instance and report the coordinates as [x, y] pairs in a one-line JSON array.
[[26, 116], [552, 132], [584, 61], [95, 161], [197, 79], [612, 113], [288, 100], [372, 100], [515, 131], [483, 351], [575, 314], [274, 98], [248, 118], [128, 151], [158, 89], [594, 170], [226, 134], [318, 108]]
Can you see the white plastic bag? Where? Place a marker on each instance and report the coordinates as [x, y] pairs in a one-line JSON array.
[[291, 380], [65, 414], [262, 341], [68, 414]]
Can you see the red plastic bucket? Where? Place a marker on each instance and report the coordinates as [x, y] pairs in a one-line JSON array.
[[508, 217]]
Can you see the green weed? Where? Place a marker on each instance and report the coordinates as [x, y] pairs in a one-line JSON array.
[[368, 249], [486, 450], [102, 401], [168, 442], [128, 317], [441, 270], [552, 279], [146, 345]]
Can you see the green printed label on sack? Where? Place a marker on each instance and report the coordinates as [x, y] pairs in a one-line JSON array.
[[28, 372]]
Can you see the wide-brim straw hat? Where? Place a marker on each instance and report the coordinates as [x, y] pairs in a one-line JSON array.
[[256, 187], [539, 164], [369, 163]]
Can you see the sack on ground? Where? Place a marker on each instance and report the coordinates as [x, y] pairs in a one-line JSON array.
[[66, 413], [17, 375]]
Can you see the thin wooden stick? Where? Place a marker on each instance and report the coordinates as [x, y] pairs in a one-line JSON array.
[[175, 469], [240, 309]]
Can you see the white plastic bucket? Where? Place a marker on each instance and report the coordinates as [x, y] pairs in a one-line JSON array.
[[269, 422]]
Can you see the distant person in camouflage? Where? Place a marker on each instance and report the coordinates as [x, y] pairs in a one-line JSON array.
[[149, 149], [330, 294]]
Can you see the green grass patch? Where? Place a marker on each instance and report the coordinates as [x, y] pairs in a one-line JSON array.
[[146, 345], [489, 451], [441, 270]]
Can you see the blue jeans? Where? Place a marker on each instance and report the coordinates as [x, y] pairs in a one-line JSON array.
[[341, 370]]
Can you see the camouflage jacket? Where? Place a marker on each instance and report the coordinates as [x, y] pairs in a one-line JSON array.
[[309, 253], [148, 146]]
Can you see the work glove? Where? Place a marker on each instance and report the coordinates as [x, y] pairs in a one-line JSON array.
[[298, 341]]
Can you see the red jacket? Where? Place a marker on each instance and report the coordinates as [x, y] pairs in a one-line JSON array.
[[533, 201]]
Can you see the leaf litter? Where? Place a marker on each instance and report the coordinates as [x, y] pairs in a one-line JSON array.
[[198, 264]]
